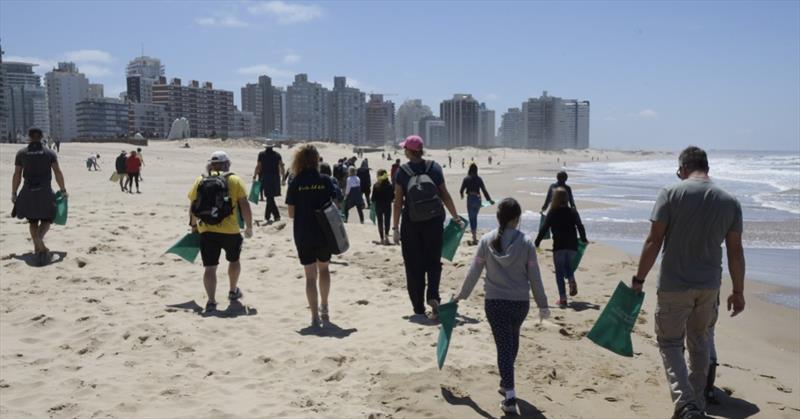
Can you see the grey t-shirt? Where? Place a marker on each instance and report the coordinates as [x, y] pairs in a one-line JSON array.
[[698, 216], [36, 161]]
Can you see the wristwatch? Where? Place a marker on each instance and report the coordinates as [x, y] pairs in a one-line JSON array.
[[636, 280]]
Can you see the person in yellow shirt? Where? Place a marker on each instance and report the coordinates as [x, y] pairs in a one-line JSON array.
[[216, 199]]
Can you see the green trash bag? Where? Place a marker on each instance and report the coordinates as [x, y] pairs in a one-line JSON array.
[[61, 209], [255, 192], [615, 324], [372, 215], [541, 224], [485, 204], [187, 247], [578, 256], [239, 217], [447, 319], [452, 238]]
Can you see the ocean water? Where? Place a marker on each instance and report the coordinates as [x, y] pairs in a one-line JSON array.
[[767, 184]]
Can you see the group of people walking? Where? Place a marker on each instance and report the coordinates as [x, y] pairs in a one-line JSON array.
[[689, 223], [129, 169]]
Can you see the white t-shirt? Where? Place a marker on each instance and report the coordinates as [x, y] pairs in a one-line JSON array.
[[352, 182]]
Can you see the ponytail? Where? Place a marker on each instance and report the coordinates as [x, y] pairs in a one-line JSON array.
[[507, 211]]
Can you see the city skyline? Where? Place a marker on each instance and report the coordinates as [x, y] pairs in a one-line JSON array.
[[657, 75]]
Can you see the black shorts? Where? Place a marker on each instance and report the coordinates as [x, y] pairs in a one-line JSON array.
[[39, 220], [312, 254], [211, 245]]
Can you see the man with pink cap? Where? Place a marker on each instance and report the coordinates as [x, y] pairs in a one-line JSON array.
[[420, 198]]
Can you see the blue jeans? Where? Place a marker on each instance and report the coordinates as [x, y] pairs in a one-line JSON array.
[[473, 208], [562, 260]]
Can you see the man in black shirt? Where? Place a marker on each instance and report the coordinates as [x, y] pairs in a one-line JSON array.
[[270, 171], [561, 181]]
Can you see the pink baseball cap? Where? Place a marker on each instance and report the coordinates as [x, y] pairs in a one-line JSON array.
[[413, 143]]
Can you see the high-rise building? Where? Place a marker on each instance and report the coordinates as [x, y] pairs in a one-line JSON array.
[[259, 98], [307, 107], [553, 123], [511, 133], [141, 74], [348, 113], [24, 98], [148, 119], [4, 131], [278, 110], [433, 131], [95, 91], [102, 118], [408, 116], [460, 114], [380, 120], [65, 87], [208, 110], [485, 126], [243, 124]]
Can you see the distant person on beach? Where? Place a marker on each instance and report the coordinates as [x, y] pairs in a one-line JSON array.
[[490, 160], [58, 145], [394, 169], [132, 167], [216, 198], [512, 272], [421, 196], [449, 160], [691, 219], [473, 186], [308, 192], [36, 201], [91, 162], [561, 182], [563, 222], [366, 180], [140, 156], [353, 196], [382, 197], [122, 171], [270, 171], [325, 169], [463, 162]]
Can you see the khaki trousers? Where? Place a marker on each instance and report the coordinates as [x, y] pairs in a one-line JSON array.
[[685, 316]]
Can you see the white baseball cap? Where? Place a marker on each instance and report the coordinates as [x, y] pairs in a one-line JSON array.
[[219, 157]]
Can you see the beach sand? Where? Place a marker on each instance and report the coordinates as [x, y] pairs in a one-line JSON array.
[[111, 328]]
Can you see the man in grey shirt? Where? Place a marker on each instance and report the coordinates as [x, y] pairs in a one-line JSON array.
[[691, 219]]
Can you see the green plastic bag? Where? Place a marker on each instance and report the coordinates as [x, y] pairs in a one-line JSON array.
[[255, 192], [187, 247], [578, 256], [452, 238], [615, 324], [447, 319], [372, 215], [239, 217], [62, 208], [541, 224], [485, 204]]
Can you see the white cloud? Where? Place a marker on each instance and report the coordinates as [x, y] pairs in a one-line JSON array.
[[44, 65], [91, 70], [286, 13], [89, 55], [223, 22], [260, 69], [647, 114], [291, 58]]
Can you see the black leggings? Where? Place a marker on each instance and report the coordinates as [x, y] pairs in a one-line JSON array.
[[505, 318], [422, 256], [131, 178], [383, 213], [360, 209]]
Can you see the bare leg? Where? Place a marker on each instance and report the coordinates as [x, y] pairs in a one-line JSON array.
[[210, 282], [324, 282], [311, 288], [234, 268], [33, 228], [44, 227]]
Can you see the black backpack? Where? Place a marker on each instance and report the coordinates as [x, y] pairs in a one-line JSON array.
[[422, 195], [213, 203]]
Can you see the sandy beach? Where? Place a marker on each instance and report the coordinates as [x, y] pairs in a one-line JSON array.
[[111, 328]]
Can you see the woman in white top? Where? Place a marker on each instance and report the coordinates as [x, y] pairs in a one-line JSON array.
[[353, 197]]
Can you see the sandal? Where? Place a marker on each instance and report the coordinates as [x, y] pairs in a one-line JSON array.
[[573, 288]]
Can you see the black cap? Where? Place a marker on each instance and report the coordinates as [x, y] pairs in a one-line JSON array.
[[34, 130]]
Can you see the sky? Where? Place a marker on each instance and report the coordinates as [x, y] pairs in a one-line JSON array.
[[659, 75]]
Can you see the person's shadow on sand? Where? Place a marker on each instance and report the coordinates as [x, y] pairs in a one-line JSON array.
[[526, 410], [234, 309], [328, 330], [731, 407], [32, 260], [583, 305]]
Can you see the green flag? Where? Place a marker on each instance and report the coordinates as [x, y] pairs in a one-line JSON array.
[[541, 224], [452, 238], [255, 192], [578, 256], [61, 209], [372, 215], [447, 319], [187, 247], [615, 324]]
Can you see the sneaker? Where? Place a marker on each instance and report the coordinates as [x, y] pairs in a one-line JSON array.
[[323, 314], [211, 307], [509, 406], [235, 294], [562, 303], [573, 289], [689, 411], [434, 309]]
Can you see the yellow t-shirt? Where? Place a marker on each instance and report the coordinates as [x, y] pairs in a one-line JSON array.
[[229, 225]]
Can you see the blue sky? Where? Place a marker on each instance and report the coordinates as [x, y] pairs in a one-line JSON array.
[[659, 75]]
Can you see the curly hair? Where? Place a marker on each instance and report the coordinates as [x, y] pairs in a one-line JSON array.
[[306, 158]]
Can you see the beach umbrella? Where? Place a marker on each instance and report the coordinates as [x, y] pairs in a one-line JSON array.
[[615, 324], [452, 238], [255, 192], [447, 319], [187, 247], [61, 209], [578, 256]]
